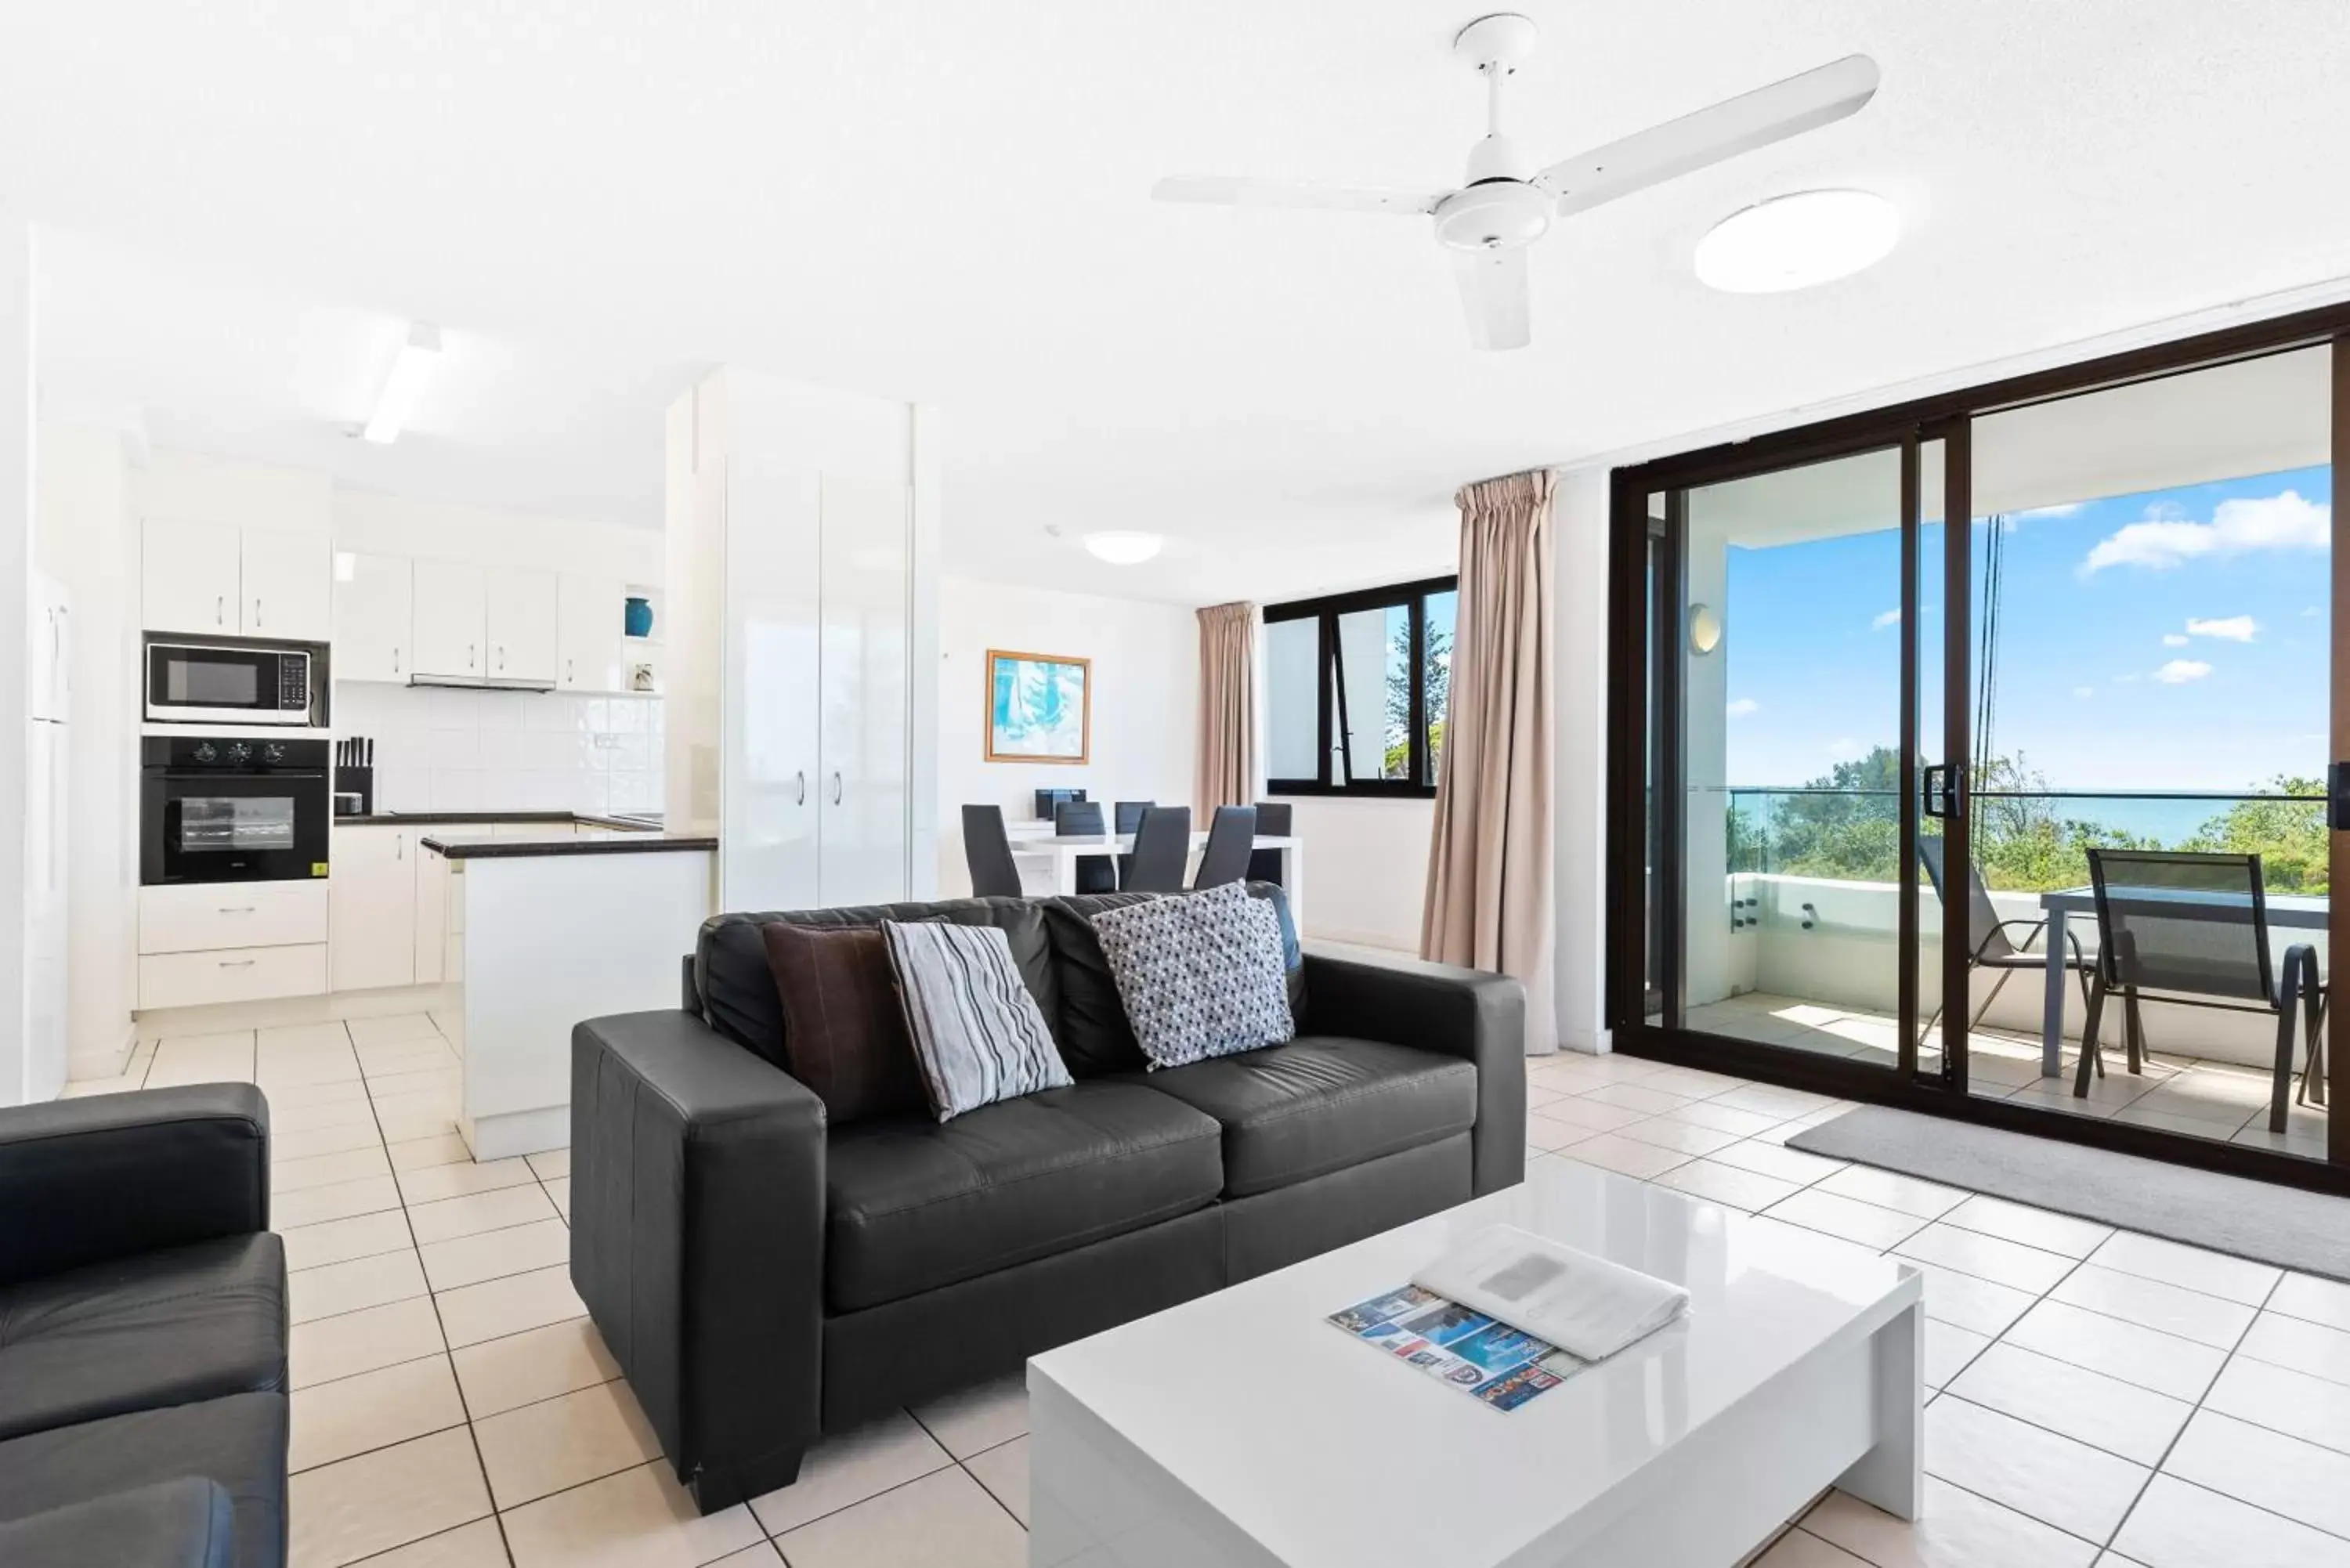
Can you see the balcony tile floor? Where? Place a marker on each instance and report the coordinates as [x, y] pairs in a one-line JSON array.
[[2096, 1398], [2180, 1093]]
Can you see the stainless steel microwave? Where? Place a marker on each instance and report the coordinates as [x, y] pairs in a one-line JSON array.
[[229, 683]]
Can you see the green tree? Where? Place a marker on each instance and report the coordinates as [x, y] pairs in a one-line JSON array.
[[1437, 674]]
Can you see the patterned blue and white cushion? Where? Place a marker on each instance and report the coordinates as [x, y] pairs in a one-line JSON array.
[[978, 1035], [1200, 974]]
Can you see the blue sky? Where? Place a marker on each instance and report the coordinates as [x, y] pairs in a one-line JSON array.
[[2175, 639]]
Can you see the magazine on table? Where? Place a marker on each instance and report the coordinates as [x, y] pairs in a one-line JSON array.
[[1501, 1286]]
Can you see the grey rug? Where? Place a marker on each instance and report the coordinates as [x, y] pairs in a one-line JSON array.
[[2257, 1219]]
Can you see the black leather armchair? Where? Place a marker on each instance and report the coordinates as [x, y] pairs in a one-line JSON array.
[[142, 1378]]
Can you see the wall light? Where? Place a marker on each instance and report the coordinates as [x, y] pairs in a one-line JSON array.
[[409, 370], [1795, 242], [1124, 550], [1704, 630]]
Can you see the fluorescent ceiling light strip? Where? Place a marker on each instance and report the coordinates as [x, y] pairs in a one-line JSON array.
[[409, 370]]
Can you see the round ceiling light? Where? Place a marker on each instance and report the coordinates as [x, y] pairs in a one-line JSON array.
[[1124, 550], [1797, 242]]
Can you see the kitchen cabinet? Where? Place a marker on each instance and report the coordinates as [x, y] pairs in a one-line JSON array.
[[374, 606], [588, 626], [450, 617], [287, 582], [231, 941], [521, 623], [371, 908], [189, 578], [862, 659]]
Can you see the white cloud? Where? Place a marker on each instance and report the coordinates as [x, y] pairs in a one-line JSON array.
[[2066, 510], [2175, 639], [1844, 749], [1741, 707], [2232, 629], [2180, 671], [2311, 613], [1888, 617], [2283, 522], [2084, 692]]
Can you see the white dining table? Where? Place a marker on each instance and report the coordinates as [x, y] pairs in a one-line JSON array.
[[1062, 851]]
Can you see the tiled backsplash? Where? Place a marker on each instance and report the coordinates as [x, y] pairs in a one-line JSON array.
[[438, 749]]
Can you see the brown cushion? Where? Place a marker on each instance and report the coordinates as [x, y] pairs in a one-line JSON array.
[[843, 1028]]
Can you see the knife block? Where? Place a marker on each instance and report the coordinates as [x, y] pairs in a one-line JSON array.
[[358, 781]]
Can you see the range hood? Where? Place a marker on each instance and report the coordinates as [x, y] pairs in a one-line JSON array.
[[480, 683]]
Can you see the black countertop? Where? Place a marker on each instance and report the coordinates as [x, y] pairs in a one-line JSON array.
[[643, 841]]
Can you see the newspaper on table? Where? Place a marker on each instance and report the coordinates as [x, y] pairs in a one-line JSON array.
[[1459, 1345]]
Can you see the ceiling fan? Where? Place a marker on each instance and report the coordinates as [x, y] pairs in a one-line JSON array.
[[1506, 203]]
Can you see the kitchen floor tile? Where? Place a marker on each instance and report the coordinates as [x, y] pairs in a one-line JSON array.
[[1745, 1189], [1724, 1118], [1954, 1528], [2104, 1412], [418, 1154], [342, 1092], [2148, 1357], [373, 1410], [1800, 1548], [1771, 1100], [2053, 1478], [2283, 1400], [480, 1545], [325, 1170], [2213, 1274], [336, 1200], [338, 1288], [2302, 1481], [1949, 1350], [553, 1163], [1636, 1097], [2009, 1264], [2312, 1300], [473, 1313], [1592, 1116], [287, 1147], [1003, 1471], [638, 1518], [558, 1192], [340, 1240], [841, 1471], [978, 1418], [946, 1520], [1970, 1302], [357, 1507], [362, 1341], [1545, 1134], [434, 1183], [316, 1116], [494, 1254], [2050, 1232], [1890, 1190], [397, 1030], [536, 1364], [1849, 1218], [2190, 1314], [538, 1449], [2308, 1348], [1666, 1132], [1776, 1159], [1611, 1151], [2179, 1525], [499, 1209]]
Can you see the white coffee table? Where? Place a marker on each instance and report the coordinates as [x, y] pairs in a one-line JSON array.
[[1241, 1430]]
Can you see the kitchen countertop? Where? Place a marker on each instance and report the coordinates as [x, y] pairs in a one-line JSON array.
[[644, 841], [497, 818]]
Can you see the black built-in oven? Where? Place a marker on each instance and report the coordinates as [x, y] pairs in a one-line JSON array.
[[231, 808]]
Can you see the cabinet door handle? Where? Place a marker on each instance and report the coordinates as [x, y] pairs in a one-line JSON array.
[[399, 848], [502, 656], [236, 964], [566, 669], [835, 786], [241, 909], [800, 781], [469, 656], [220, 610], [395, 662], [257, 614]]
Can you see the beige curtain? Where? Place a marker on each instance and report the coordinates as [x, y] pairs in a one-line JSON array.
[[1489, 867], [1227, 771]]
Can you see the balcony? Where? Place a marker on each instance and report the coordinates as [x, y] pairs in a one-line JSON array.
[[1802, 951]]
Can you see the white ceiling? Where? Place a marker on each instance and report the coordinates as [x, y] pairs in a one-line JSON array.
[[948, 201]]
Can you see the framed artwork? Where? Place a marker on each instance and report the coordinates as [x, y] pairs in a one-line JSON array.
[[1039, 708]]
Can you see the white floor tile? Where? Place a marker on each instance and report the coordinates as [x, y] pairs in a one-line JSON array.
[[2148, 1357], [304, 1145], [357, 1507], [1724, 1118], [2304, 1346], [2213, 1274], [1004, 1472], [2190, 1314], [1949, 1350], [1773, 1101], [2283, 1400], [538, 1449], [473, 1313], [340, 1240], [536, 1364], [336, 1200], [2104, 1412], [844, 1471], [977, 1419], [1955, 1529], [417, 1154], [1546, 1133], [2312, 1300], [1745, 1189], [2053, 1478], [359, 1342], [1970, 1302], [476, 1546], [1666, 1132], [1776, 1159], [499, 1209], [2179, 1525], [2268, 1469], [373, 1410], [2009, 1264], [1800, 1549], [946, 1520], [368, 1032], [1611, 1151], [1636, 1097], [1849, 1218], [494, 1254], [553, 1163], [325, 1170], [2038, 1227], [1591, 1115], [338, 1288], [1890, 1190], [435, 1182], [638, 1518]]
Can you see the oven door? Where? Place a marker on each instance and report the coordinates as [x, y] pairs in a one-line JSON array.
[[203, 684], [200, 825]]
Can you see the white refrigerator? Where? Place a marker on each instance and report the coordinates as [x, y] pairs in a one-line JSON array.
[[40, 1072]]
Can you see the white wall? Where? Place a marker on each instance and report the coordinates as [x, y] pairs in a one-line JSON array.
[[1366, 868], [17, 505], [88, 541], [373, 523], [1145, 695]]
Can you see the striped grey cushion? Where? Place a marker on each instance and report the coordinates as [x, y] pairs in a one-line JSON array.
[[1201, 973], [979, 1035]]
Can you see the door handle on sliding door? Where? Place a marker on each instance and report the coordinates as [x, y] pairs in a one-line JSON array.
[[2337, 796], [1933, 795]]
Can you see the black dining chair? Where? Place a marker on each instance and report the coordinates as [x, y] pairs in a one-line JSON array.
[[987, 850], [1231, 834], [1096, 873], [1162, 847], [2193, 930], [1988, 946], [1127, 814], [1272, 820]]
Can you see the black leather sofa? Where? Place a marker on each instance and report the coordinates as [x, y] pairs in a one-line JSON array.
[[142, 1332], [765, 1278]]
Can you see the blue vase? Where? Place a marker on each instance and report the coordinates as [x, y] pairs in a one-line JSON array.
[[640, 617]]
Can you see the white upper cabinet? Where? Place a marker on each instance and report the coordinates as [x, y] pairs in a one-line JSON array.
[[522, 627], [189, 578], [286, 585], [590, 611], [451, 619], [373, 606]]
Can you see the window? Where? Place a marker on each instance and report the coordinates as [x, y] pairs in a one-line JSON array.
[[1356, 690]]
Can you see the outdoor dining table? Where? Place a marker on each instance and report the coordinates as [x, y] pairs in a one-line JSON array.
[[2300, 911]]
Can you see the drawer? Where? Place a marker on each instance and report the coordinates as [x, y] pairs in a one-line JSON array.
[[204, 916], [246, 974]]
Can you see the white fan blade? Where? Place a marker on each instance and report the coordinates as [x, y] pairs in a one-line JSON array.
[[1493, 291], [1297, 194], [1734, 126]]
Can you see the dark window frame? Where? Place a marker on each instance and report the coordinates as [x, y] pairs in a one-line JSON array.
[[1330, 691]]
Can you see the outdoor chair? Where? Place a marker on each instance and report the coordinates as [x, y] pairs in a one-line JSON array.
[[2193, 930], [1989, 945]]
